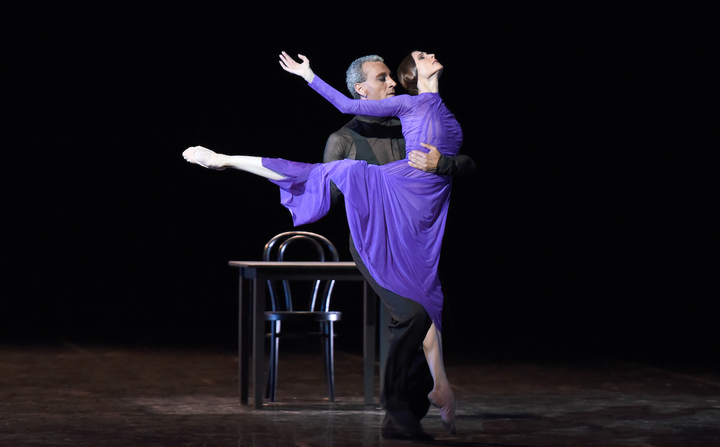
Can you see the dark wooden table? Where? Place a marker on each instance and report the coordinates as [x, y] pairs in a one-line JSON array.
[[253, 288]]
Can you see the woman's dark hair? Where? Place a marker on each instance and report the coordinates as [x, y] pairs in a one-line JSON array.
[[407, 74]]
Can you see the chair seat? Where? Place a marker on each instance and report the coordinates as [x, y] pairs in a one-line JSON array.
[[302, 316]]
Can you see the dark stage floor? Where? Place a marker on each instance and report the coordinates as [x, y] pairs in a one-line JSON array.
[[90, 396]]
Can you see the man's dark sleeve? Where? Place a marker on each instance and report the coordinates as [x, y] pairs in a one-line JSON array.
[[459, 165], [336, 148]]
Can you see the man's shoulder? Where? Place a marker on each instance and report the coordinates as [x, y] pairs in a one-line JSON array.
[[340, 135]]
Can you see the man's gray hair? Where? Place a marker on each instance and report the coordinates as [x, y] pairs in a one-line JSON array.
[[355, 73]]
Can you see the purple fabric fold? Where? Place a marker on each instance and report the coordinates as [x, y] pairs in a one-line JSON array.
[[396, 218]]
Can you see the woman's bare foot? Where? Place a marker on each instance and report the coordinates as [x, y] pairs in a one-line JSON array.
[[445, 401], [203, 157]]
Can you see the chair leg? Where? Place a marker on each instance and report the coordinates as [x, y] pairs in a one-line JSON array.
[[271, 366], [329, 348], [271, 390]]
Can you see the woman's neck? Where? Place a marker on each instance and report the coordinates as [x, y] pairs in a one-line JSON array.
[[429, 85]]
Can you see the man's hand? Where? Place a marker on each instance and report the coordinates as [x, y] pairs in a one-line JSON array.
[[425, 162], [303, 69]]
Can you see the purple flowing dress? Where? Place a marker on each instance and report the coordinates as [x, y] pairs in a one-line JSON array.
[[396, 213]]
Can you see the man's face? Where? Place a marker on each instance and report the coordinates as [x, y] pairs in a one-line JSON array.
[[378, 83]]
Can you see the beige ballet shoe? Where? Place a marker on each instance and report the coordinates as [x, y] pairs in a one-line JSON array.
[[446, 404], [206, 155]]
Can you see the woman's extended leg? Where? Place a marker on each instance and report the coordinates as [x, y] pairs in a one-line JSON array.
[[211, 160], [441, 396]]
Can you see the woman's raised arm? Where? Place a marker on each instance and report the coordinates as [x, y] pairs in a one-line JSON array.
[[303, 69], [382, 108]]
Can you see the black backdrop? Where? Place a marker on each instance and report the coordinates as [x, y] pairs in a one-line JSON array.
[[589, 227]]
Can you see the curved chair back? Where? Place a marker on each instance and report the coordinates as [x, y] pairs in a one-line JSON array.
[[323, 250]]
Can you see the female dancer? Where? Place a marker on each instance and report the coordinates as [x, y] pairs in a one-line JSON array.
[[396, 213]]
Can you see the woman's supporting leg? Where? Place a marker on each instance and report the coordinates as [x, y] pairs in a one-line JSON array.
[[441, 396], [211, 160]]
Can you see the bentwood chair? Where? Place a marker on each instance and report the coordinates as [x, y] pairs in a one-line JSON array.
[[286, 308]]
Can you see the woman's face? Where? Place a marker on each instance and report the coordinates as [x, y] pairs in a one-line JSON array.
[[426, 64]]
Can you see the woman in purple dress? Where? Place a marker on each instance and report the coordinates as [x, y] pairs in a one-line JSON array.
[[396, 213]]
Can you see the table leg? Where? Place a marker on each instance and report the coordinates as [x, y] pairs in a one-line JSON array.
[[244, 337], [259, 287], [369, 331], [384, 331]]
